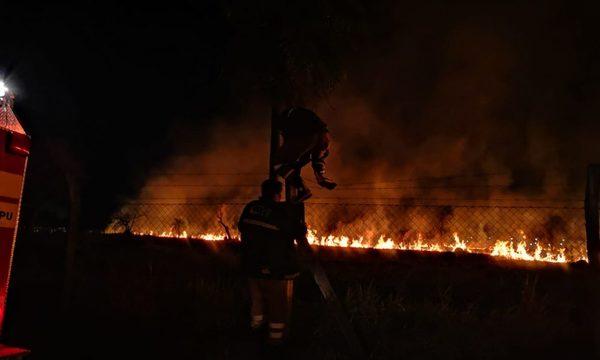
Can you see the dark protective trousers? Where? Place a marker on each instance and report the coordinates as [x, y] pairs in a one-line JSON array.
[[300, 150], [271, 302]]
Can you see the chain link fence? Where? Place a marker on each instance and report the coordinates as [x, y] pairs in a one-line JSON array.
[[554, 233]]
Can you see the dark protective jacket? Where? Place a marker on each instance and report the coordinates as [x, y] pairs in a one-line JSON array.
[[300, 122], [268, 230]]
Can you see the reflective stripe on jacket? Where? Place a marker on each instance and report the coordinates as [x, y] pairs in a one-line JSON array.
[[268, 230]]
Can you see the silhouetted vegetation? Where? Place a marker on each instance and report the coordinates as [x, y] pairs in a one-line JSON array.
[[159, 298]]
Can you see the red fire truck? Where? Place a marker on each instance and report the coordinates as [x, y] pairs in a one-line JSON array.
[[14, 151]]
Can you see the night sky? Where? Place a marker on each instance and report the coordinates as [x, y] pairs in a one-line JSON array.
[[110, 91], [108, 81]]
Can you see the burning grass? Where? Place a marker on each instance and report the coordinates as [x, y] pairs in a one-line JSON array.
[[553, 234], [509, 249]]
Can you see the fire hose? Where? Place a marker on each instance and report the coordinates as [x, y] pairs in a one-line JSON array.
[[355, 346]]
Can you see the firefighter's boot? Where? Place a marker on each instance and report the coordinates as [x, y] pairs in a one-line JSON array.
[[324, 181], [302, 191]]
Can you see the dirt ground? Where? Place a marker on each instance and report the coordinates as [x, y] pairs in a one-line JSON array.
[[165, 299]]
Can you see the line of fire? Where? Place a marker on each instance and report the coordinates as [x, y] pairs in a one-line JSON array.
[[553, 234]]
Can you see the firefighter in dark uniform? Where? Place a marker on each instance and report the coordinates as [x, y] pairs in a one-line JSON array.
[[268, 257], [305, 139]]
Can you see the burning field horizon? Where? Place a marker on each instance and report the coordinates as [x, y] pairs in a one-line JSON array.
[[526, 233], [404, 184]]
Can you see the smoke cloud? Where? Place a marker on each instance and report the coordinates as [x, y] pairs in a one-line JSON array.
[[462, 102]]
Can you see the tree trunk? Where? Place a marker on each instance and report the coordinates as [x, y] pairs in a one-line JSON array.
[[592, 226], [592, 229], [275, 137], [72, 237]]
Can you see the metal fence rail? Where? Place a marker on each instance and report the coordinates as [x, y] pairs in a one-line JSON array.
[[479, 228]]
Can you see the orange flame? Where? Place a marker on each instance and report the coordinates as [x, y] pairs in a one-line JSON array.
[[183, 235], [511, 249]]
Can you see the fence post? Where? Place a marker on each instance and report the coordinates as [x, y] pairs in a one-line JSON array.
[[274, 138], [592, 226], [592, 230], [317, 270]]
